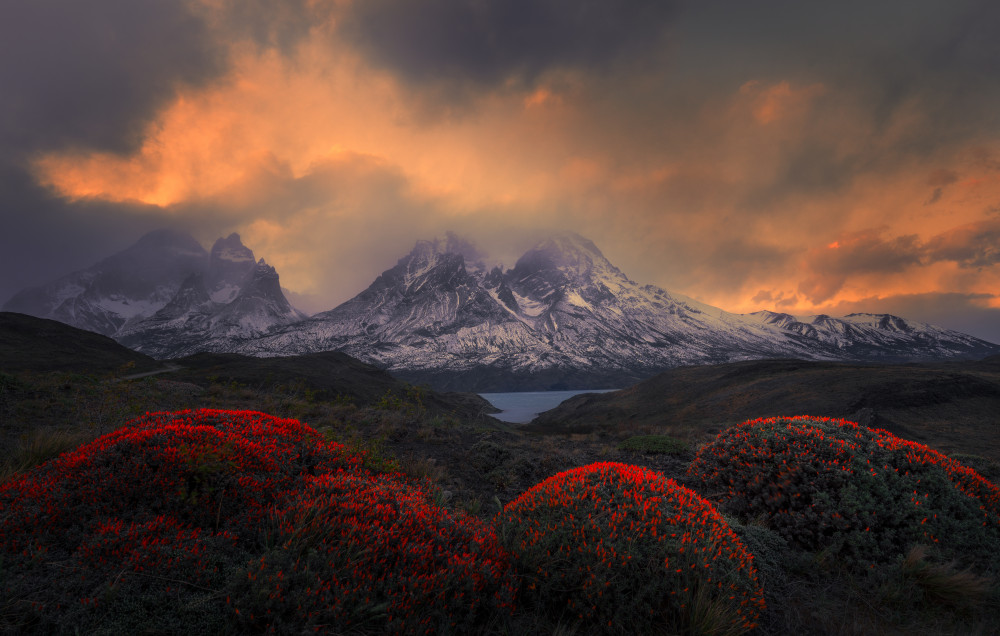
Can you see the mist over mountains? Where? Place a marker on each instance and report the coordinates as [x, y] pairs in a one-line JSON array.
[[166, 284], [562, 317]]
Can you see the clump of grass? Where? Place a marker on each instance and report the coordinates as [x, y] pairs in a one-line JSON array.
[[944, 584], [655, 444], [619, 548], [38, 446]]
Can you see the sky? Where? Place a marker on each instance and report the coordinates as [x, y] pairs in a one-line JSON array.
[[803, 157]]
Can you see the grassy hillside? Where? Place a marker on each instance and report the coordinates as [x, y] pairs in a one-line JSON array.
[[568, 527], [954, 406], [476, 468], [38, 345]]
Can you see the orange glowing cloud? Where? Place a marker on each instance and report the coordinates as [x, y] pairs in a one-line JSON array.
[[756, 191], [274, 111], [778, 101]]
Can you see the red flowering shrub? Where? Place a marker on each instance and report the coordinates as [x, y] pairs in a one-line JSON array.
[[625, 550], [211, 469], [861, 494], [370, 553], [172, 497]]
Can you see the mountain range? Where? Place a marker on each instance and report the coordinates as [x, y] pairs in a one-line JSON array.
[[165, 291], [562, 317]]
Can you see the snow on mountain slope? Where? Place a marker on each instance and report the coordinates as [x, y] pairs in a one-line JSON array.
[[136, 282], [166, 293], [564, 311], [194, 322], [562, 317]]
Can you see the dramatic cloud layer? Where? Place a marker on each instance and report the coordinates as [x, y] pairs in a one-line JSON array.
[[771, 155], [496, 41]]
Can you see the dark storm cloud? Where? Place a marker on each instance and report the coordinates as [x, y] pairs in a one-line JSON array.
[[271, 24], [83, 75], [91, 76], [973, 245], [92, 73], [859, 253], [940, 179], [905, 80], [490, 41], [43, 238], [949, 66]]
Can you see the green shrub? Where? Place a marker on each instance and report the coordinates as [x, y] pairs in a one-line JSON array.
[[622, 549], [861, 496], [655, 444]]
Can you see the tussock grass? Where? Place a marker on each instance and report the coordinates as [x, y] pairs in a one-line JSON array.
[[37, 446], [944, 584]]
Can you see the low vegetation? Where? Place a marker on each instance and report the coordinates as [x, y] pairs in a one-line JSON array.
[[655, 444], [385, 517], [861, 495], [620, 549]]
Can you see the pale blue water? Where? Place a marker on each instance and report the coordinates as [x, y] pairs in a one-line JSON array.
[[522, 407]]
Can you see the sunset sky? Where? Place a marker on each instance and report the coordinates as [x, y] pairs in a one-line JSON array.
[[798, 156]]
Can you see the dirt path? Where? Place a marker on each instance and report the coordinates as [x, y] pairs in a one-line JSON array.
[[169, 368]]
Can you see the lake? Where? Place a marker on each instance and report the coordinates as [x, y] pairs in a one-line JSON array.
[[522, 407]]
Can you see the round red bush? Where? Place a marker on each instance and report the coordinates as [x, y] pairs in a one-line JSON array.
[[184, 492], [365, 553], [622, 549], [861, 494]]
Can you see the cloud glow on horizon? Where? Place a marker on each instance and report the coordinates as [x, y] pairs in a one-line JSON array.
[[785, 166]]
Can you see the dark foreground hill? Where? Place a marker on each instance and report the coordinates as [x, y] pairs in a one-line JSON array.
[[952, 406], [326, 376], [39, 345], [55, 375]]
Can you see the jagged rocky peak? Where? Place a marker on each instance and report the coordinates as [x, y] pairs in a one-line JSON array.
[[429, 252], [566, 261], [443, 263], [774, 317], [569, 253], [454, 244], [155, 256], [232, 249], [229, 263], [882, 321], [192, 295], [262, 282]]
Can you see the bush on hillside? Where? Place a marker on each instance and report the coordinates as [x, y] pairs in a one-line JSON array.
[[370, 553], [622, 549], [172, 502], [163, 524], [861, 495]]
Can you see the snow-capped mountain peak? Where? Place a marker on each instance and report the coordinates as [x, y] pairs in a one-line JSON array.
[[229, 263], [564, 315], [165, 288]]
